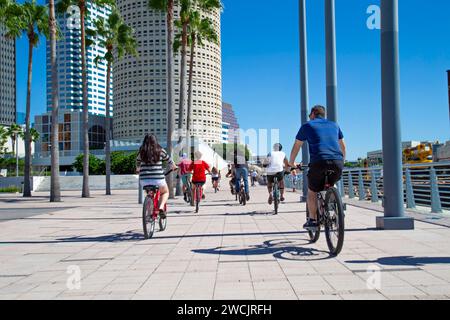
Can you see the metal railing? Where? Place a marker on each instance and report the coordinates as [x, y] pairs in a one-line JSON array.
[[425, 185]]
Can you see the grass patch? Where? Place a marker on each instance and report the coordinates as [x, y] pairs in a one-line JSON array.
[[11, 189]]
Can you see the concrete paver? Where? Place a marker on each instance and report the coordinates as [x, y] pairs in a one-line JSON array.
[[225, 252]]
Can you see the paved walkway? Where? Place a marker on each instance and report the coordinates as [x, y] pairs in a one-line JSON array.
[[225, 252]]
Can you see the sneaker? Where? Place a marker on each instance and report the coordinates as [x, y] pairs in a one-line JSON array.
[[162, 214], [270, 200], [203, 197], [248, 196], [282, 199], [311, 225], [185, 197]]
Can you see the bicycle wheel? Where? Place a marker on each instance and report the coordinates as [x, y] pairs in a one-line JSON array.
[[275, 198], [314, 236], [198, 197], [162, 224], [147, 218], [334, 224]]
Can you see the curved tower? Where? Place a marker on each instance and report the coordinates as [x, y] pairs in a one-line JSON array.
[[140, 96]]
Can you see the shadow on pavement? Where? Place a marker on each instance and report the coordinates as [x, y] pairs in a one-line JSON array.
[[405, 261], [136, 236], [292, 249]]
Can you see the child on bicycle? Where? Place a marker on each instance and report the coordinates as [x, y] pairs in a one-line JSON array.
[[215, 177], [149, 166], [198, 168]]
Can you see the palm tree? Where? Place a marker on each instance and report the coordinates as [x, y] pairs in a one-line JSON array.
[[117, 37], [62, 7], [167, 6], [30, 19], [55, 188], [3, 139], [14, 131], [181, 42], [199, 30]]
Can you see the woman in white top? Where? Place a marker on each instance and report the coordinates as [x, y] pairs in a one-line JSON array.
[[276, 162]]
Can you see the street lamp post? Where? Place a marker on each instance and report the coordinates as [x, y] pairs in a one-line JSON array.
[[304, 88], [16, 135], [394, 212], [330, 39]]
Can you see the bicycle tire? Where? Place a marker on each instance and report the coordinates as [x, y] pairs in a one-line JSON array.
[[314, 236], [275, 197], [162, 224], [333, 195], [197, 200], [147, 218]]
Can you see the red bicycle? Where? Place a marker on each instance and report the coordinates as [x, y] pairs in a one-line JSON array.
[[198, 195], [150, 212]]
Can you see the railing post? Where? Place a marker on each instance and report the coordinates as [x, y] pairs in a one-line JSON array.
[[410, 201], [351, 192], [373, 187], [361, 191], [436, 206], [340, 186]]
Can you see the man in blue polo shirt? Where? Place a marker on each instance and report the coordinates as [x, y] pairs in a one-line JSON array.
[[327, 151]]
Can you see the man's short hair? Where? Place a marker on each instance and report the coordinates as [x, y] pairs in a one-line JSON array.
[[277, 147], [319, 111]]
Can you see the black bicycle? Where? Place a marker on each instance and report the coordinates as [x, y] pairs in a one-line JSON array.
[[276, 193], [242, 196], [330, 215]]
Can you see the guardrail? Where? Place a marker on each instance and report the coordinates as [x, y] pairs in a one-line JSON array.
[[425, 185]]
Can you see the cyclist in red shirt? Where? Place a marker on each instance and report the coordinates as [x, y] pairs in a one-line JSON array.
[[198, 168]]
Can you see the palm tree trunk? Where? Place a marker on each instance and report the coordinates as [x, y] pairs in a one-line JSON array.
[[27, 169], [55, 189], [191, 85], [170, 5], [85, 192], [108, 132], [182, 81], [13, 141]]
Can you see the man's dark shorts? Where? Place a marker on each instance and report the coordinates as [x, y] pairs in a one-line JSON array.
[[317, 171], [279, 176]]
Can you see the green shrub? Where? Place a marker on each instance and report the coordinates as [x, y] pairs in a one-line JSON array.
[[96, 165], [11, 189]]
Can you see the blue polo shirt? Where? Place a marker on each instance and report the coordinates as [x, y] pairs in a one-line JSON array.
[[323, 139]]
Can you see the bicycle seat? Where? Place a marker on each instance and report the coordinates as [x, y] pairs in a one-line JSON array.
[[151, 188]]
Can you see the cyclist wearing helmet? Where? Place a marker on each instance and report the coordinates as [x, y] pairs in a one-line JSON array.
[[275, 163]]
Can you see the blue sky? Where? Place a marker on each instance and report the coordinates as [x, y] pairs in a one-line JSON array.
[[261, 68]]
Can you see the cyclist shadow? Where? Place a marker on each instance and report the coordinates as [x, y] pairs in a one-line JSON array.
[[129, 236], [293, 250]]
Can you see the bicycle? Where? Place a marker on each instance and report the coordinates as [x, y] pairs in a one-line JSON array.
[[242, 196], [331, 216], [150, 211], [198, 195], [276, 194]]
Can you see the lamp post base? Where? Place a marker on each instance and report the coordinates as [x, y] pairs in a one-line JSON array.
[[401, 223]]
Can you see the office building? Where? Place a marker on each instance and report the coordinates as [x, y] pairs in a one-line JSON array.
[[7, 80], [140, 93]]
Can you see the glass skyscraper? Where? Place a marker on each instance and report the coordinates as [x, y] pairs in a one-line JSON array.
[[7, 80], [69, 65]]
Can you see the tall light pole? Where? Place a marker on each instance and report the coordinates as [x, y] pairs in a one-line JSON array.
[[394, 212], [304, 87], [331, 70], [16, 134]]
